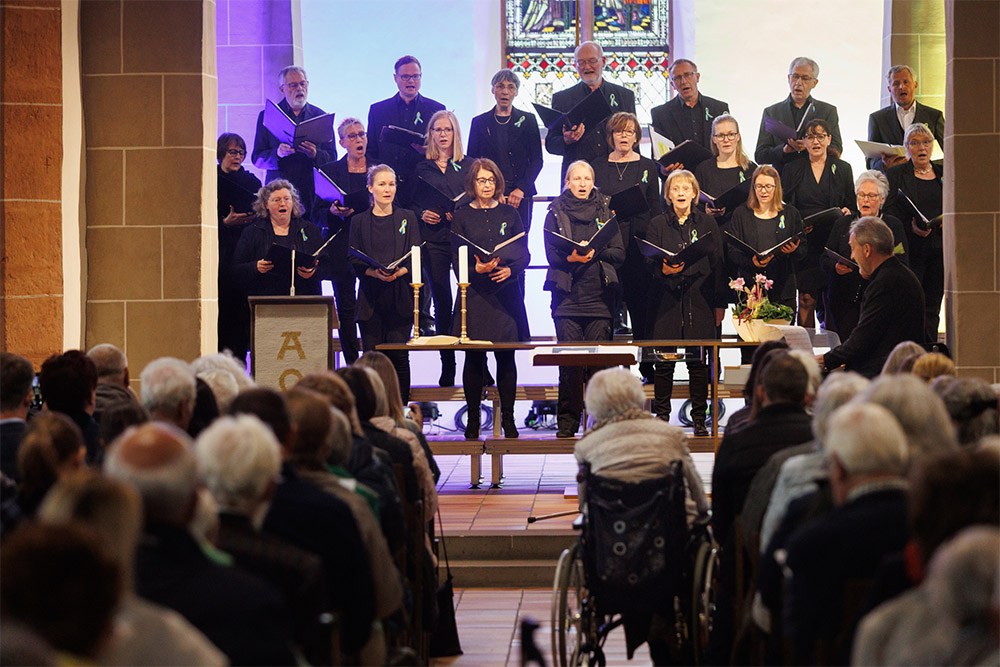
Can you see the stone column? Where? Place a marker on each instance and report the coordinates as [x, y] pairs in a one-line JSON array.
[[31, 273], [915, 36], [972, 187], [149, 95]]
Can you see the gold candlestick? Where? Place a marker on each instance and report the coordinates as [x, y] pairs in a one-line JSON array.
[[416, 311], [464, 338]]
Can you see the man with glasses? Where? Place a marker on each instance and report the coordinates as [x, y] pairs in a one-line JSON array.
[[581, 142], [689, 114], [282, 160], [888, 124], [409, 110], [803, 75]]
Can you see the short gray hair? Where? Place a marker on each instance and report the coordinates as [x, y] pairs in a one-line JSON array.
[[285, 71], [870, 230], [837, 390], [972, 404], [505, 75], [223, 361], [238, 457], [918, 410], [600, 49], [680, 61], [962, 576], [917, 128], [866, 439], [223, 387], [109, 359], [346, 124], [903, 351], [813, 370], [167, 383], [873, 176], [896, 69], [613, 391], [807, 62]]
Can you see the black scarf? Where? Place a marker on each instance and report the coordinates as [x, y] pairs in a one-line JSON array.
[[580, 209]]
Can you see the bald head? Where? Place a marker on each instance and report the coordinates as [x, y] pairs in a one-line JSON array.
[[156, 458], [112, 365]]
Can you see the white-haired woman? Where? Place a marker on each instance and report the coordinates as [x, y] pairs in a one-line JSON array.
[[842, 297], [583, 287], [922, 182]]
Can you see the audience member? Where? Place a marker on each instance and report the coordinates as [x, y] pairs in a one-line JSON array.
[[933, 365], [739, 418], [223, 361], [918, 410], [68, 383], [242, 615], [117, 418], [15, 399], [973, 405], [144, 633], [902, 351], [169, 391], [223, 387], [112, 378], [206, 409]]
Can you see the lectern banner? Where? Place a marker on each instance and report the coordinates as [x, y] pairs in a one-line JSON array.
[[291, 337]]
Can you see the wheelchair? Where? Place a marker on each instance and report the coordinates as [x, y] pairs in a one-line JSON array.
[[636, 558]]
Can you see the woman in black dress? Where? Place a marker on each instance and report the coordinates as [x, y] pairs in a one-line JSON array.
[[237, 192], [385, 302], [624, 168], [494, 300], [687, 301], [445, 168], [730, 168], [583, 287], [845, 286], [921, 181], [821, 182]]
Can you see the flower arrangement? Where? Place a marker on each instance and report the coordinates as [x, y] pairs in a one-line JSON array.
[[752, 302]]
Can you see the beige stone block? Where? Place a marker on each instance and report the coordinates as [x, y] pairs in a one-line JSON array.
[[106, 324], [973, 247], [932, 73], [162, 36], [32, 54], [32, 146], [987, 374], [163, 187], [32, 249], [977, 173], [977, 321], [33, 327], [918, 16], [122, 111], [123, 264], [161, 329], [182, 271], [105, 182], [975, 29], [905, 50], [101, 36], [183, 102]]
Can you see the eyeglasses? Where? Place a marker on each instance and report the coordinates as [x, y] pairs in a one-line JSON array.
[[681, 187], [588, 61], [355, 135], [728, 136], [677, 78], [236, 152], [443, 130], [804, 78], [868, 196], [920, 142], [817, 137], [297, 85], [279, 200], [628, 132], [764, 187], [486, 181], [409, 78]]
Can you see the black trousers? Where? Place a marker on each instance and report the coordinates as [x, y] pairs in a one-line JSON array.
[[437, 273], [473, 379], [345, 292], [379, 330], [927, 263], [572, 378], [234, 318], [663, 385]]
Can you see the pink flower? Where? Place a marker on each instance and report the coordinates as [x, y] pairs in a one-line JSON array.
[[769, 284], [736, 284], [760, 278]]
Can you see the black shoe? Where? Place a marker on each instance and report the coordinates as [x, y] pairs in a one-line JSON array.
[[665, 417], [622, 330], [700, 430], [472, 425], [565, 433], [509, 426], [488, 380]]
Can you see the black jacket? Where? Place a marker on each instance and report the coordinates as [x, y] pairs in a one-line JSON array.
[[395, 299], [770, 149], [762, 234], [884, 127], [254, 244], [523, 153], [892, 311], [902, 177], [561, 275], [669, 121], [415, 116]]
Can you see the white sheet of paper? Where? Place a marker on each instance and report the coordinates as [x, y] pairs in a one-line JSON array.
[[796, 337]]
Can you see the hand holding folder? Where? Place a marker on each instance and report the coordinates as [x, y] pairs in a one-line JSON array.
[[596, 243], [318, 130], [691, 253]]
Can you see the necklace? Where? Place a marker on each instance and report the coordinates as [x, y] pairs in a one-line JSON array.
[[923, 171], [497, 119], [621, 170]]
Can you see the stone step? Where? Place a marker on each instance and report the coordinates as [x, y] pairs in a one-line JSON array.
[[507, 546], [503, 573]]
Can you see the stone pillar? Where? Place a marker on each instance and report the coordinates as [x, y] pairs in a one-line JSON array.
[[915, 36], [149, 95], [31, 274], [256, 40], [972, 187]]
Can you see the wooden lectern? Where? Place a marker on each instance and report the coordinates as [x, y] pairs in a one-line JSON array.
[[290, 337]]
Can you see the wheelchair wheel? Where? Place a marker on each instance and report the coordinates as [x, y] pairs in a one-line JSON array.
[[567, 610], [705, 585]]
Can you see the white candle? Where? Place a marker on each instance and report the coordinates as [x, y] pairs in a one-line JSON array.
[[415, 263], [463, 265]]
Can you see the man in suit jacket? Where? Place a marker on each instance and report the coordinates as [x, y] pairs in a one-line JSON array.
[[803, 75], [892, 309], [282, 160], [888, 124], [409, 110], [582, 142], [832, 557], [689, 114], [15, 399]]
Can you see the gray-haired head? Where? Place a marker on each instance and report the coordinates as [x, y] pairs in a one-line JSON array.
[[613, 391], [896, 69], [917, 130], [972, 405], [866, 439], [962, 577], [264, 194], [505, 76], [871, 231], [591, 45], [110, 361], [918, 410], [813, 371], [285, 71], [903, 351], [802, 61], [346, 125], [873, 176], [168, 389], [238, 459], [837, 390], [681, 61], [223, 361]]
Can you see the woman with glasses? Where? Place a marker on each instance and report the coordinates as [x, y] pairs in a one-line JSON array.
[[921, 181], [821, 182], [622, 169], [237, 191], [845, 287], [495, 303], [686, 301], [730, 168], [445, 168]]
